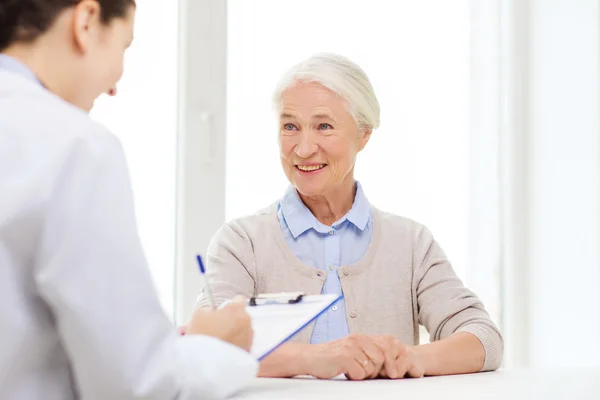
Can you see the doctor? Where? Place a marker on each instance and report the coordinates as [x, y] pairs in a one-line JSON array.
[[79, 317]]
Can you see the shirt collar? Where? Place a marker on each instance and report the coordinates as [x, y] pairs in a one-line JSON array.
[[361, 209], [15, 66], [299, 218]]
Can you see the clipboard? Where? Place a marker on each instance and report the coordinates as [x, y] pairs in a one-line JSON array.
[[276, 318], [277, 298]]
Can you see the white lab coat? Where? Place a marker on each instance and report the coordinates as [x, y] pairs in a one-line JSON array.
[[79, 315]]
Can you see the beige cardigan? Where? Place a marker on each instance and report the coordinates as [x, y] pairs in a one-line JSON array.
[[403, 280]]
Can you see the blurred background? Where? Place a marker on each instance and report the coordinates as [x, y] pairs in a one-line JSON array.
[[490, 125]]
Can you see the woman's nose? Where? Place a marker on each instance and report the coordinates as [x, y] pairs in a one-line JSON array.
[[306, 147]]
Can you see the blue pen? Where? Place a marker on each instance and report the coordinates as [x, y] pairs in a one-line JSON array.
[[206, 282]]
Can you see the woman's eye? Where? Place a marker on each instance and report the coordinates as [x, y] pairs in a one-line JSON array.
[[325, 126]]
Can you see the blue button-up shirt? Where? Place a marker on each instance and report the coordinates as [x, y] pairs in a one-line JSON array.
[[327, 248], [10, 64]]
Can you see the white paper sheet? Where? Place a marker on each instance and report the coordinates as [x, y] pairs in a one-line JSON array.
[[275, 323]]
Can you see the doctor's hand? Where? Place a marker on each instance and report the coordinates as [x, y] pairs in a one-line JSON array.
[[231, 324]]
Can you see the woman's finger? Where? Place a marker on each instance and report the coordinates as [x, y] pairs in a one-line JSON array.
[[374, 354], [355, 370], [389, 365]]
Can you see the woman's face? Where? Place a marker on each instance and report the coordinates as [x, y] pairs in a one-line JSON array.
[[102, 49], [318, 139]]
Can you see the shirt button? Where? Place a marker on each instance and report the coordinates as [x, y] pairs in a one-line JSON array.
[[334, 308], [331, 232], [331, 267], [353, 314]]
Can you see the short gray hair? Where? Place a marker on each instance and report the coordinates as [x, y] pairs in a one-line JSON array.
[[344, 78]]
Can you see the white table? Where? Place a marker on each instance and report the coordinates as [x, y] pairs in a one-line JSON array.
[[567, 384]]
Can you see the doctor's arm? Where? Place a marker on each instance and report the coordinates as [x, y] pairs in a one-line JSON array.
[[92, 273]]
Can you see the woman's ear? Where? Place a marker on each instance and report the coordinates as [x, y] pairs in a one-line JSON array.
[[364, 138], [85, 24]]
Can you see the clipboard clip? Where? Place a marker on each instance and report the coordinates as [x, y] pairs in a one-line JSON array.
[[276, 298]]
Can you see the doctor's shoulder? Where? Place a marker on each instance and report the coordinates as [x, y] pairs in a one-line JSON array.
[[69, 129]]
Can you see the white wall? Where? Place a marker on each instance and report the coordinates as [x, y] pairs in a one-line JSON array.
[[144, 117], [201, 144], [552, 184], [483, 261], [565, 177], [535, 64]]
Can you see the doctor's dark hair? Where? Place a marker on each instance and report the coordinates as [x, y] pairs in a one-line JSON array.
[[25, 20]]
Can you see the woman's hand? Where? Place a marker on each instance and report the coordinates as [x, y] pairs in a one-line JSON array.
[[356, 356], [362, 357], [231, 324], [407, 363]]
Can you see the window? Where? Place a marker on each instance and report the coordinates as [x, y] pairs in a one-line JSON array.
[[416, 54], [434, 158], [144, 117]]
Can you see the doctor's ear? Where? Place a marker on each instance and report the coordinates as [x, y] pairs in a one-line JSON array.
[[86, 24]]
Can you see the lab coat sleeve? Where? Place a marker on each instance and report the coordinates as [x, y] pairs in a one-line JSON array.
[[92, 274]]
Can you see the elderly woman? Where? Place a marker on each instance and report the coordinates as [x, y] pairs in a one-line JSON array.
[[323, 236]]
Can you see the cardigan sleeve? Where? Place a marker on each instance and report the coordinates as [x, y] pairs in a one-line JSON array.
[[446, 306], [229, 266]]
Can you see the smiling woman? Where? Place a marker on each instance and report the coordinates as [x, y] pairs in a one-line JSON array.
[[315, 153], [418, 57], [323, 236]]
